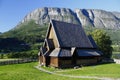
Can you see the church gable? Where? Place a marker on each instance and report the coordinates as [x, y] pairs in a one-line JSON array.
[[51, 36]]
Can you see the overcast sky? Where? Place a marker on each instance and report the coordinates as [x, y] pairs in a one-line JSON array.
[[13, 11]]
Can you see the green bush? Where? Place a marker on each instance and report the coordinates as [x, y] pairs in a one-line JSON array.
[[103, 41]]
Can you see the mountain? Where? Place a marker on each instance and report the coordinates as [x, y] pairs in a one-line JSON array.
[[85, 17], [28, 36], [33, 27]]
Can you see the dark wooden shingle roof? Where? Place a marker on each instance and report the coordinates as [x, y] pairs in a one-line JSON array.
[[89, 53], [71, 35], [58, 52]]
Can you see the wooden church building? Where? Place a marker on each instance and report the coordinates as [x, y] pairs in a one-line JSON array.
[[67, 45]]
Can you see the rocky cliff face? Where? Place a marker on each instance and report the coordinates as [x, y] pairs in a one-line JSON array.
[[84, 17], [98, 18]]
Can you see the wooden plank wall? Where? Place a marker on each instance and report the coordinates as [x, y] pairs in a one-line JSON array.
[[54, 61], [86, 61]]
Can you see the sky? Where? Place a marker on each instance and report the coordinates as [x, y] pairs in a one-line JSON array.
[[13, 11]]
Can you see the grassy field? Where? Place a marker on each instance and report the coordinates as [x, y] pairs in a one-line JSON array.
[[28, 72], [105, 70], [8, 59]]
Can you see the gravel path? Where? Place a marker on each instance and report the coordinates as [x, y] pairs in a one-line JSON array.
[[89, 77]]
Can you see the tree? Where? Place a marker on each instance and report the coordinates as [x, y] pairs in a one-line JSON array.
[[1, 56], [103, 42]]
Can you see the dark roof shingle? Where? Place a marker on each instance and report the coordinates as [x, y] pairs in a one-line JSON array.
[[89, 53], [57, 52], [71, 35]]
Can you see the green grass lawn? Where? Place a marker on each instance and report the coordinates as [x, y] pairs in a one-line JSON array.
[[27, 71], [104, 70]]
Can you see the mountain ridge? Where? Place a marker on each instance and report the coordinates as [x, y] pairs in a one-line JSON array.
[[85, 17]]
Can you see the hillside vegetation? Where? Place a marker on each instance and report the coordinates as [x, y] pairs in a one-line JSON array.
[[30, 32], [113, 33], [26, 39]]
